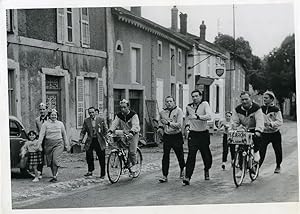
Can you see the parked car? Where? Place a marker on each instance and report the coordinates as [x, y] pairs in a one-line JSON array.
[[17, 137]]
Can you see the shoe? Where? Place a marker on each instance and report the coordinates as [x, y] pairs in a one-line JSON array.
[[186, 181], [102, 177], [88, 174], [181, 174], [223, 166], [163, 179], [256, 157], [133, 168], [36, 179], [53, 180], [40, 175], [31, 173], [206, 175], [277, 170]]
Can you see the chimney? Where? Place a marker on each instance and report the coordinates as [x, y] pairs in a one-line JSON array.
[[136, 10], [183, 23], [174, 21], [202, 31]]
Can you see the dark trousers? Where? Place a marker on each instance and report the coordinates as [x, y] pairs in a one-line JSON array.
[[90, 158], [198, 141], [40, 166], [174, 142], [275, 139], [225, 149]]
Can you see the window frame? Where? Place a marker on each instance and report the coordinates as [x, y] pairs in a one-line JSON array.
[[159, 50], [179, 57], [86, 22]]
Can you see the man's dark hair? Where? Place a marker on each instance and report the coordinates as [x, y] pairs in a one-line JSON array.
[[196, 91], [170, 97], [97, 110], [92, 107]]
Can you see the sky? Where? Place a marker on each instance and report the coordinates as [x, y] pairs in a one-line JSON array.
[[264, 25]]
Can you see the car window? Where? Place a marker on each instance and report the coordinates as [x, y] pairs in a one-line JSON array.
[[14, 129]]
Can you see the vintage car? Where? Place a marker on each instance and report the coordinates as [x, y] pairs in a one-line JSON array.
[[17, 137]]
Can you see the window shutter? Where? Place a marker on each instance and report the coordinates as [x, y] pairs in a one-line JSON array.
[[100, 97], [185, 94], [60, 25], [79, 101], [8, 21], [177, 94], [85, 29]]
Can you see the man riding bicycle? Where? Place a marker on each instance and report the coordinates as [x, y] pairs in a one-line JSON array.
[[128, 121], [250, 116]]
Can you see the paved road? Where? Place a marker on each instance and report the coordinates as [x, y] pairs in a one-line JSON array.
[[145, 190]]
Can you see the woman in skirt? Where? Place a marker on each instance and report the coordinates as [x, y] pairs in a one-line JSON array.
[[54, 133], [34, 151]]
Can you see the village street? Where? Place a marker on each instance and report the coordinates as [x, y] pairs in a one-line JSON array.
[[74, 191]]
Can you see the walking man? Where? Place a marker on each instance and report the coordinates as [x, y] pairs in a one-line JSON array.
[[171, 119], [96, 129], [38, 123], [271, 133], [197, 115]]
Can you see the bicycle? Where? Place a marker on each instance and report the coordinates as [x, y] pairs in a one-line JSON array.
[[118, 159], [244, 159]]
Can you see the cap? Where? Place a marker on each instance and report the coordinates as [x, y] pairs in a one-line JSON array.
[[270, 93], [124, 101]]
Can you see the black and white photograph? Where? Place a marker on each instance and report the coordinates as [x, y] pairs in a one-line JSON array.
[[177, 106]]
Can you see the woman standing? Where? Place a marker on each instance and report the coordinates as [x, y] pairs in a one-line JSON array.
[[54, 133]]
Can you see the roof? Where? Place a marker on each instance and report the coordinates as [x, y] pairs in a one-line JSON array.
[[152, 27]]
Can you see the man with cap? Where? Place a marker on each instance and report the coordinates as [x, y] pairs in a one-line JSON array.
[[38, 123], [197, 114], [271, 133]]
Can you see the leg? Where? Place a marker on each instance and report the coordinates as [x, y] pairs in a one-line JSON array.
[[40, 166], [263, 148], [178, 149], [36, 173], [277, 146], [132, 149], [166, 156], [90, 158], [191, 159], [232, 151], [205, 151], [101, 157], [225, 148]]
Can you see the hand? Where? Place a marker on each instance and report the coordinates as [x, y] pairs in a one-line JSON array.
[[192, 116], [164, 121], [258, 134], [130, 136]]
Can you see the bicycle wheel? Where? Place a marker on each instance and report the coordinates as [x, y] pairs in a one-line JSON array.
[[114, 167], [254, 170], [239, 168], [139, 161]]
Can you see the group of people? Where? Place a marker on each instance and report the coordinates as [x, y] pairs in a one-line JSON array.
[[264, 121], [49, 141]]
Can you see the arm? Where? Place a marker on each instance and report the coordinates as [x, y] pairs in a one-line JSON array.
[[235, 120], [208, 113], [42, 133], [104, 126], [278, 120], [64, 135], [187, 120], [179, 122], [114, 124], [135, 124], [259, 120], [37, 126], [83, 131]]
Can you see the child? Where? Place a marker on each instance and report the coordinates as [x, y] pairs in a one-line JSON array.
[[225, 125], [33, 148]]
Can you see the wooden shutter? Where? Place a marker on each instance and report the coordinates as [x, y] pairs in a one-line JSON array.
[[85, 29], [100, 96], [60, 25], [8, 21], [79, 101]]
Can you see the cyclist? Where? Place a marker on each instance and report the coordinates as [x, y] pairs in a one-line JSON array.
[[249, 114], [128, 121]]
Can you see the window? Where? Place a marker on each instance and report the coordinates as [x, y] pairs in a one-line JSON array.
[[119, 46], [172, 60], [173, 90], [208, 66], [9, 25], [85, 29], [85, 97], [217, 98], [11, 92], [179, 57], [14, 129], [159, 50], [65, 31], [136, 64]]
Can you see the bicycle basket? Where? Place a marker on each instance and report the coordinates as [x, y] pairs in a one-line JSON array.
[[239, 137]]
